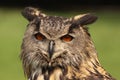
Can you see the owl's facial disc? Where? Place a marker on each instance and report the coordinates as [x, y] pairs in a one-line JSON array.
[[54, 40]]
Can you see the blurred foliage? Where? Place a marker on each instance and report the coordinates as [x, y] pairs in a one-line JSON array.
[[105, 34]]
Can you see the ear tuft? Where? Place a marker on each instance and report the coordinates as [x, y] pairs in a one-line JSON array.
[[30, 13], [84, 19]]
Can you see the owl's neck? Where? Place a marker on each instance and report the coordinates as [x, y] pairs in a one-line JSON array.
[[88, 70], [71, 73]]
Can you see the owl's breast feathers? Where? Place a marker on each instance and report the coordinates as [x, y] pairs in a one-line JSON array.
[[73, 74]]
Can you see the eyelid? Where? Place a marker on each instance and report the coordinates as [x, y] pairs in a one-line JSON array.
[[72, 34]]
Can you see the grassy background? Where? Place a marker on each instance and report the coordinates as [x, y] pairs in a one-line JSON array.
[[105, 33]]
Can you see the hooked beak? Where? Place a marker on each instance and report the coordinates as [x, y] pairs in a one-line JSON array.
[[51, 48]]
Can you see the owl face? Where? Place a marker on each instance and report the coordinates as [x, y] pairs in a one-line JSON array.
[[52, 41]]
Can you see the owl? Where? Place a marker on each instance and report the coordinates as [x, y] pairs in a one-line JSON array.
[[59, 48]]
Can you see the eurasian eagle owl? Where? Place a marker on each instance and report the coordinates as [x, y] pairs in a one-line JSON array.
[[58, 48]]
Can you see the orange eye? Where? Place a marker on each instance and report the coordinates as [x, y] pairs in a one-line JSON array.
[[39, 36], [67, 38]]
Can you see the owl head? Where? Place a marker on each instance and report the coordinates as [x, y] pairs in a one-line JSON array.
[[52, 41]]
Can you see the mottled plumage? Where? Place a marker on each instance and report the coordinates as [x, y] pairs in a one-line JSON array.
[[58, 48]]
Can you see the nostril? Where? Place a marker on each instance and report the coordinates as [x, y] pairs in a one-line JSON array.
[[52, 43]]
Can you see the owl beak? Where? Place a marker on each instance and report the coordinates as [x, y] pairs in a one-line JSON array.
[[51, 48]]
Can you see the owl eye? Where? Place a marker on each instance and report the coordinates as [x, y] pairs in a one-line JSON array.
[[39, 36], [67, 38]]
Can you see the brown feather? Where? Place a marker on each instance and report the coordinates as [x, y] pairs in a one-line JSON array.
[[48, 54]]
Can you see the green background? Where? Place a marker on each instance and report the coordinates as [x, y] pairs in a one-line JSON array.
[[105, 33]]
